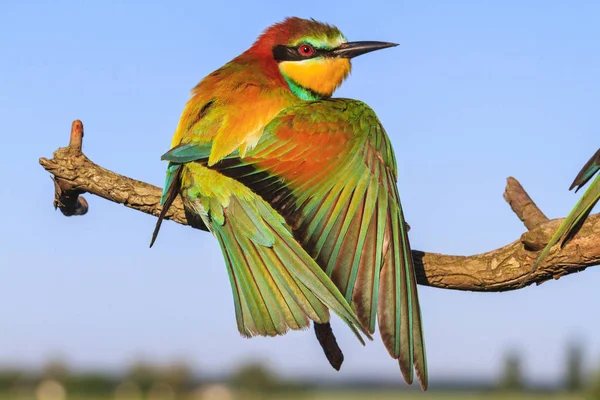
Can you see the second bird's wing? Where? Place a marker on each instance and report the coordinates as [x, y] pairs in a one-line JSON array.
[[569, 227], [328, 167]]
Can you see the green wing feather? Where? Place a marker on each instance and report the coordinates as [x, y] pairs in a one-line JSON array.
[[569, 227], [277, 286], [587, 172], [328, 168]]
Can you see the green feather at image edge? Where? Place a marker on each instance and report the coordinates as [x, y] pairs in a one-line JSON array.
[[569, 227]]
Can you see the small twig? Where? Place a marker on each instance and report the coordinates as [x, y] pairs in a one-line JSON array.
[[523, 205], [76, 139]]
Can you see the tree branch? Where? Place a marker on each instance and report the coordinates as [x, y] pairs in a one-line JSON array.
[[505, 268]]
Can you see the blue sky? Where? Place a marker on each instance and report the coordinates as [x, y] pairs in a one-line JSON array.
[[476, 92]]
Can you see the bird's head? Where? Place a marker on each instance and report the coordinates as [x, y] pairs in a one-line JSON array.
[[313, 57]]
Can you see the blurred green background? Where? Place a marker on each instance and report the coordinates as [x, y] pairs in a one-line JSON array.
[[255, 380]]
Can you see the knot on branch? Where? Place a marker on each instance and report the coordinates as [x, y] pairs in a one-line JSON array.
[[67, 198], [536, 239]]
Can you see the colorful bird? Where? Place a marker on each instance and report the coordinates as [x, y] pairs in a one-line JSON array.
[[569, 227], [300, 191]]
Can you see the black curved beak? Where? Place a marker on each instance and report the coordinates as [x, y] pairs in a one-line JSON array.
[[353, 49]]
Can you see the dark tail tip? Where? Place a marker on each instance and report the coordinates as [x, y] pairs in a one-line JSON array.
[[329, 344], [172, 194], [157, 228]]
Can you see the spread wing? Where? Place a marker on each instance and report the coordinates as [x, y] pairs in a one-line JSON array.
[[328, 168]]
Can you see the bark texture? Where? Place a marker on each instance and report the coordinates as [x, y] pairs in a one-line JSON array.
[[505, 268]]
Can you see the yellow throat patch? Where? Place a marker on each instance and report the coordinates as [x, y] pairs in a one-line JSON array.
[[321, 75]]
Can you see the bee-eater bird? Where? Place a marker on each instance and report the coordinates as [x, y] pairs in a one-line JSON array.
[[569, 227], [300, 191]]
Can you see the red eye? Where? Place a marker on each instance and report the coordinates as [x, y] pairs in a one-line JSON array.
[[306, 50]]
